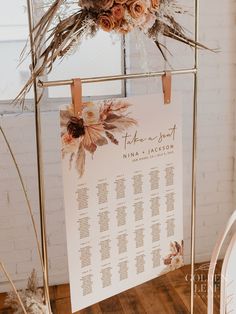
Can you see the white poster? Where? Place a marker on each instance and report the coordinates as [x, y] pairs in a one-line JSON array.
[[122, 171]]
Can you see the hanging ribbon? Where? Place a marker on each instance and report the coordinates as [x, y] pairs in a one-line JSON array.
[[76, 94]]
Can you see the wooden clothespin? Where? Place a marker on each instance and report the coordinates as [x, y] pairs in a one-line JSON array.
[[166, 86], [76, 94]]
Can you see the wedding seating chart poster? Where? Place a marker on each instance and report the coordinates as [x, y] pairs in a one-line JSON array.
[[122, 173]]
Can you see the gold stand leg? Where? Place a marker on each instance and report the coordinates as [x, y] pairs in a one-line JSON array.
[[194, 161], [39, 159]]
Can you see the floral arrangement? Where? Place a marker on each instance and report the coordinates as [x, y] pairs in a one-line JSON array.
[[32, 298], [123, 16], [97, 124], [66, 23], [174, 259]]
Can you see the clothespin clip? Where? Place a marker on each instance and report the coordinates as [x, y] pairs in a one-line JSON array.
[[76, 94], [166, 86]]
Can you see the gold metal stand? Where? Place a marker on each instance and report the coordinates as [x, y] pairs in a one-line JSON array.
[[41, 84]]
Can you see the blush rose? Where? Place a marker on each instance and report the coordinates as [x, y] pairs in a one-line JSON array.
[[106, 22], [137, 8]]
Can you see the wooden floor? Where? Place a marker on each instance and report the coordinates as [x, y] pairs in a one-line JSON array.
[[168, 294]]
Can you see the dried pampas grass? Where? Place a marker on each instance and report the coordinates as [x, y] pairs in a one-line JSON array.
[[32, 300]]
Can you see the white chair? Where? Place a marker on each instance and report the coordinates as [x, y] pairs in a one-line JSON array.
[[228, 279], [230, 252]]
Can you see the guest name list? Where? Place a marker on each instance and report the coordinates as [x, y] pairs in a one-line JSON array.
[[127, 208]]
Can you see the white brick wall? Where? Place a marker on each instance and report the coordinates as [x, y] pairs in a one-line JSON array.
[[216, 151]]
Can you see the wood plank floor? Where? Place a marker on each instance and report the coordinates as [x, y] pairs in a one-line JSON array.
[[168, 294]]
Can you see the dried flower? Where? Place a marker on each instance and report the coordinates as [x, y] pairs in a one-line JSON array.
[[90, 114], [106, 22], [75, 127], [167, 259], [100, 123], [32, 298], [174, 260], [177, 262]]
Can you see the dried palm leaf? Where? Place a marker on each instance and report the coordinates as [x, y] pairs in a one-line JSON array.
[[111, 117], [32, 284], [112, 138], [101, 141], [109, 126], [93, 138], [120, 124], [41, 28], [113, 106], [172, 30]]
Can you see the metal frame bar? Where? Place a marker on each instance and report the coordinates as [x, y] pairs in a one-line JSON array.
[[115, 78], [42, 84]]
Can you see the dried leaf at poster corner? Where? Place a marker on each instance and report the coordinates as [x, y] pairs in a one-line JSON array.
[[80, 161]]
